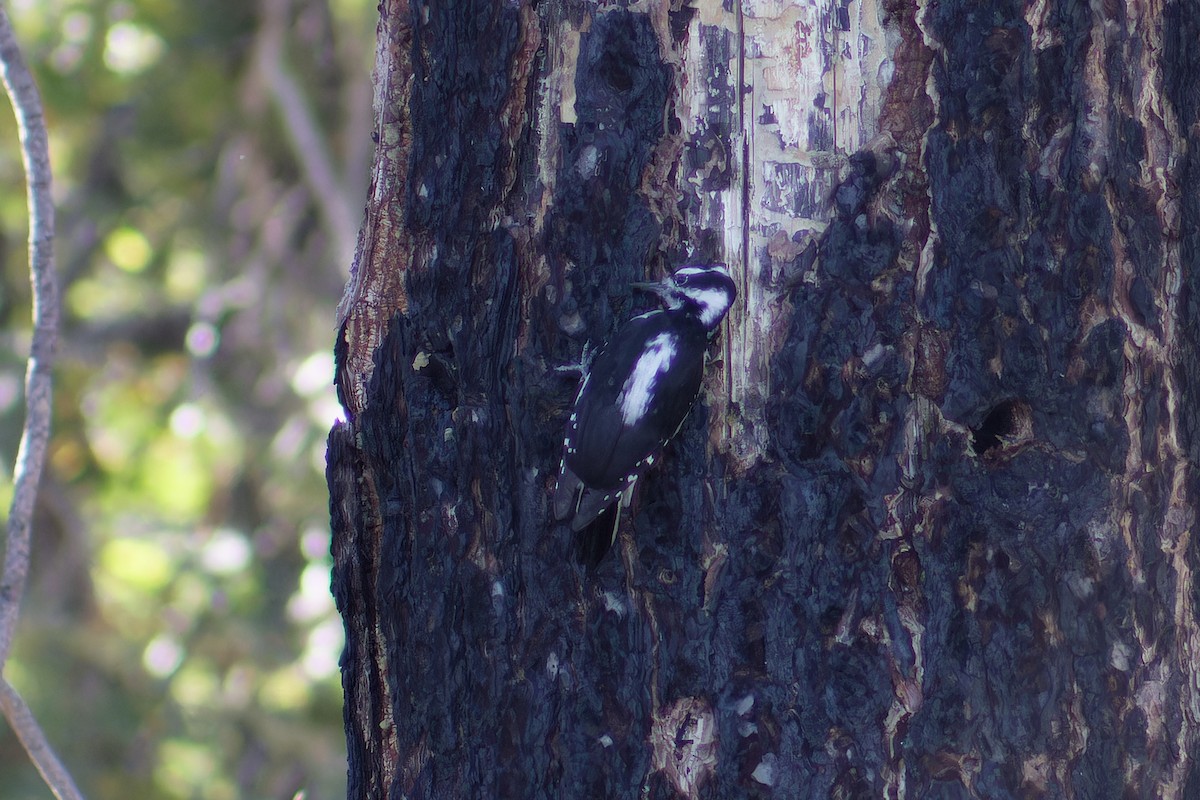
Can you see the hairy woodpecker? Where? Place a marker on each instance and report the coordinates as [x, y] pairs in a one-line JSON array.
[[633, 397]]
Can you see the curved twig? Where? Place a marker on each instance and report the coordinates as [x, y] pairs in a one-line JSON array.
[[30, 733], [35, 153]]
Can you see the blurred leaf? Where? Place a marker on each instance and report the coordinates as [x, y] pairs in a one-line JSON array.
[[141, 565], [128, 249]]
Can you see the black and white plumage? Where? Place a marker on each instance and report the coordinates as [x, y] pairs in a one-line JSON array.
[[633, 397]]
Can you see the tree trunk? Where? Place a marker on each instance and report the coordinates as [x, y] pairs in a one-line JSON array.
[[928, 532]]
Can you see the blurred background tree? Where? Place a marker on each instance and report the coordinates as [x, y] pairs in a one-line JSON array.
[[178, 639]]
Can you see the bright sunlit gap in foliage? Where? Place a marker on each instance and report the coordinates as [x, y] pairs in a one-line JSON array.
[[324, 648], [312, 601], [162, 656], [202, 339], [314, 544], [314, 374], [226, 553], [187, 420], [130, 48], [313, 379]]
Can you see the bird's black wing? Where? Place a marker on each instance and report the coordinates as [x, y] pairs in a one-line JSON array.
[[606, 449]]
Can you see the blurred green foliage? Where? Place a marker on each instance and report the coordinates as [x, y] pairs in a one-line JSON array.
[[177, 638]]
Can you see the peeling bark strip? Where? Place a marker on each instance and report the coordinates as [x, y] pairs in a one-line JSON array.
[[929, 532]]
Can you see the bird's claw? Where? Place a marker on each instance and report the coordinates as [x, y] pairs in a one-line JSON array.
[[583, 365]]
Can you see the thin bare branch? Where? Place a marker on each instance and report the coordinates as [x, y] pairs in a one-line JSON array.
[[311, 147], [25, 726], [35, 152]]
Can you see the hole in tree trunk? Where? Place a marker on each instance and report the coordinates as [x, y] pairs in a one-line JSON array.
[[1007, 421]]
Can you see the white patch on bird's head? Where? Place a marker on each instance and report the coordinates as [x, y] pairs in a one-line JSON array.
[[713, 303], [708, 291], [638, 389], [687, 272]]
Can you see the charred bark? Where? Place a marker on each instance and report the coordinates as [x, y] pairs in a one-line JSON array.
[[929, 531]]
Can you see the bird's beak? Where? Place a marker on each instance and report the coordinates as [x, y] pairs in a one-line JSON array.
[[660, 288]]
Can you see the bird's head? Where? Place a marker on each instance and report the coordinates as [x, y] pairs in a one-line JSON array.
[[706, 291]]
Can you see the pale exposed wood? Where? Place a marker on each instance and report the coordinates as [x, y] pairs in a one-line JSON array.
[[788, 91], [376, 288]]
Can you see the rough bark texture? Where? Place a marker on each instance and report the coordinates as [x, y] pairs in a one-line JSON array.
[[929, 532]]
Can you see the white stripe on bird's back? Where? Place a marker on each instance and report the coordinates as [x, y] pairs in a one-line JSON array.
[[638, 389]]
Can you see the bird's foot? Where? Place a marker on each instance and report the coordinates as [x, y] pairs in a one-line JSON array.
[[584, 364]]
